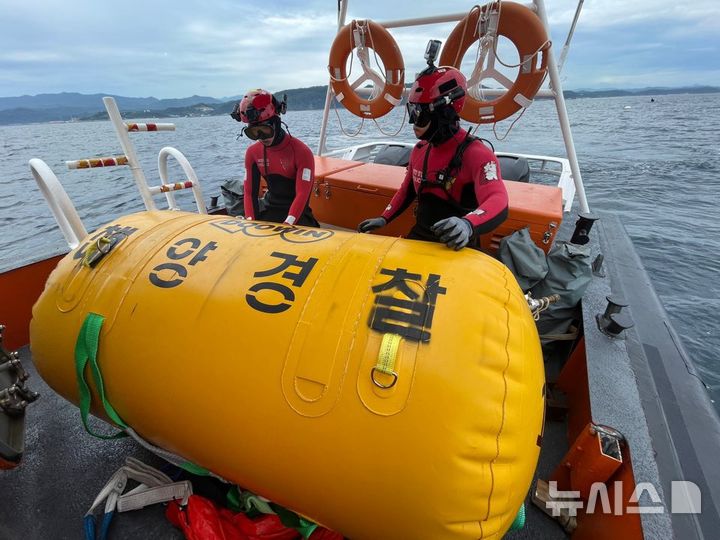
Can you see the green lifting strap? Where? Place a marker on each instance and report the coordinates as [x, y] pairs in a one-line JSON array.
[[292, 520], [197, 470], [519, 521], [86, 350], [251, 505]]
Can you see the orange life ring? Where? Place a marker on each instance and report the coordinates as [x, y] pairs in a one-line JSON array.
[[375, 37], [527, 32]]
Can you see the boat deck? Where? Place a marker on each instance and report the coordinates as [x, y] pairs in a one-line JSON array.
[[64, 468], [62, 471]]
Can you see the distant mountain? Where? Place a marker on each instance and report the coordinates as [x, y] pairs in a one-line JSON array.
[[24, 115], [299, 99], [93, 102], [304, 99], [200, 109], [649, 91], [232, 98], [71, 106]]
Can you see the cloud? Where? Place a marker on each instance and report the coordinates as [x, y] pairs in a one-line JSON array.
[[219, 49], [608, 13], [663, 78], [21, 57]]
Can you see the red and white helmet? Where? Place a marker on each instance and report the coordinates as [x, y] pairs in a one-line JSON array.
[[445, 82], [257, 106]]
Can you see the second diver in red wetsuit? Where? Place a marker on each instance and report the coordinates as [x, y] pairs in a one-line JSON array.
[[453, 175], [286, 163]]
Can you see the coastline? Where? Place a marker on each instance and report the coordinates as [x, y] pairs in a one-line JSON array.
[[302, 99]]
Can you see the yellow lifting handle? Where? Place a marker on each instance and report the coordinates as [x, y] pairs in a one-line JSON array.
[[386, 360]]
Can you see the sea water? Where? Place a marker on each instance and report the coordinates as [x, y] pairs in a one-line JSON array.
[[655, 164]]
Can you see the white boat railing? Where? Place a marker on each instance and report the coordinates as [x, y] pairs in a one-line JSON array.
[[483, 71], [192, 181], [62, 207], [541, 165], [365, 151], [556, 86], [571, 33], [146, 192], [60, 204], [121, 129]]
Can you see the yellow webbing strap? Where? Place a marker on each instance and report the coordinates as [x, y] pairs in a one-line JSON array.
[[387, 355]]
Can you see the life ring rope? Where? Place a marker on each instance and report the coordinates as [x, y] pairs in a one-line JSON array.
[[485, 37], [342, 128], [490, 38], [377, 125], [465, 21]]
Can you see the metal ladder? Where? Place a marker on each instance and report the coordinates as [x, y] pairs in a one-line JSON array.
[[62, 207]]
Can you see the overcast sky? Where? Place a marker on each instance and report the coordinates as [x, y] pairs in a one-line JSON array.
[[177, 49]]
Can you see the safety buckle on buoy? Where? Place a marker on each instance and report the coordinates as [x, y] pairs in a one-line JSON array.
[[102, 246], [377, 383]]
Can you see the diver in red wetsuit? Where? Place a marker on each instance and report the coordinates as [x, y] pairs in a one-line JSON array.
[[286, 163], [454, 176]]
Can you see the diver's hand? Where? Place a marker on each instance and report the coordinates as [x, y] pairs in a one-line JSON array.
[[372, 224], [454, 232]]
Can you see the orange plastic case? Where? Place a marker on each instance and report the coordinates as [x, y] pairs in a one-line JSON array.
[[346, 195], [535, 206], [325, 166]]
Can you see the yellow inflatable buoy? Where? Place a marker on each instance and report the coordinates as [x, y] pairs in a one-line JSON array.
[[385, 388]]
